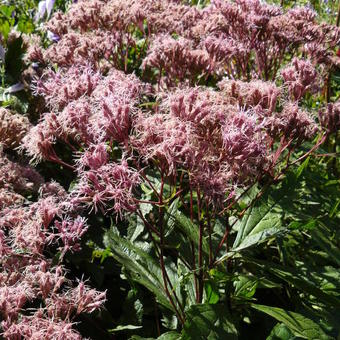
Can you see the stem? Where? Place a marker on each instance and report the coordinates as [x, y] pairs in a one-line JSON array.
[[146, 223], [322, 139], [56, 159], [200, 242], [209, 232], [165, 276], [274, 179], [156, 317], [193, 249]]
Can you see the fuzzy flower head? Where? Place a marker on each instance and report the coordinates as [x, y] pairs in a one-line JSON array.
[[109, 187], [165, 138], [62, 86], [330, 117], [70, 232], [39, 326], [300, 78], [13, 128], [244, 143], [251, 95]]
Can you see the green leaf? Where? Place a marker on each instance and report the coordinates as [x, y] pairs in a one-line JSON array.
[[281, 332], [124, 328], [209, 322], [322, 238], [141, 266], [297, 279], [245, 287], [303, 225], [258, 224], [211, 293], [302, 167], [169, 219], [297, 323], [169, 336], [191, 230]]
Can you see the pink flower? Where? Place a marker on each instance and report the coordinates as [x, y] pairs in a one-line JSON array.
[[301, 77], [64, 85], [70, 233], [251, 95], [38, 326], [330, 118], [12, 299], [109, 187], [93, 157], [80, 299], [244, 144]]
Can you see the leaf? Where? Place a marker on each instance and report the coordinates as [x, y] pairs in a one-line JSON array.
[[263, 219], [297, 323], [169, 219], [281, 332], [258, 237], [209, 322], [138, 227], [132, 309], [169, 336], [302, 167], [311, 224], [321, 237], [141, 266], [191, 230], [297, 279], [211, 293], [124, 328], [245, 286]]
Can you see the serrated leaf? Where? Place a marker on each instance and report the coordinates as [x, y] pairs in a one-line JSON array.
[[209, 322], [297, 323], [258, 224], [142, 267], [191, 230]]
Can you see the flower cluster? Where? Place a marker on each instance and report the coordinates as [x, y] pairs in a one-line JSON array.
[[28, 276], [188, 42], [13, 127], [300, 77]]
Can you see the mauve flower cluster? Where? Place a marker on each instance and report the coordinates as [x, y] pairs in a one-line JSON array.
[[204, 132], [27, 230], [226, 134], [27, 276], [240, 38], [13, 127], [300, 77]]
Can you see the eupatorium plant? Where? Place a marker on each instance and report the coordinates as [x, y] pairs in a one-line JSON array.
[[172, 121]]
